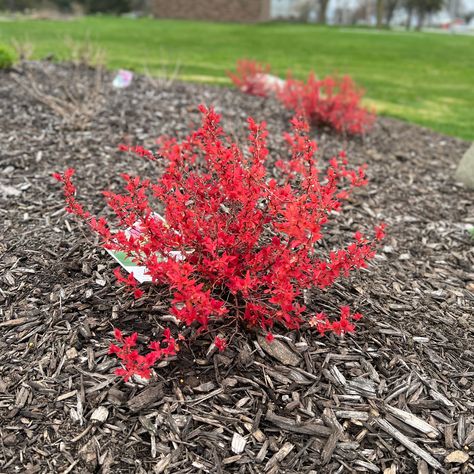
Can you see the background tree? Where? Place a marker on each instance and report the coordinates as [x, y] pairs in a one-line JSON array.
[[379, 8], [322, 11], [424, 8], [17, 5], [63, 5], [410, 6], [360, 12], [140, 6], [107, 6], [305, 8], [390, 7], [455, 8], [90, 6]]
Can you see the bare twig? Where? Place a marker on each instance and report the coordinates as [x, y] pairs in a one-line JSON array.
[[85, 53], [165, 77], [76, 100], [24, 49]]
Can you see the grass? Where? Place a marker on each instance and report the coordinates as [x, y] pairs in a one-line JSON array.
[[419, 77]]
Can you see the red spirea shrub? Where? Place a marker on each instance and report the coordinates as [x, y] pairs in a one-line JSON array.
[[335, 102], [250, 77], [238, 244]]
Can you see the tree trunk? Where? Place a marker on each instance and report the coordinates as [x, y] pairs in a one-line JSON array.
[[409, 18], [323, 6], [420, 20], [379, 8], [389, 11]]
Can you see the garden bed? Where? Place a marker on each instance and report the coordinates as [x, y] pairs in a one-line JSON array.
[[332, 407]]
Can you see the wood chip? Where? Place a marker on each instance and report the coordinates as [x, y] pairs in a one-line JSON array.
[[308, 427], [279, 350], [146, 397], [280, 455], [100, 414], [457, 457], [413, 421], [88, 454], [413, 447], [238, 443], [330, 446]]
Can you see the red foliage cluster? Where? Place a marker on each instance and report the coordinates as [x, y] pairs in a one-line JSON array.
[[133, 362], [335, 102], [343, 325], [250, 76], [237, 243], [220, 343], [329, 101]]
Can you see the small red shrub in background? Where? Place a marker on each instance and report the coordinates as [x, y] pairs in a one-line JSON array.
[[250, 242], [252, 77], [335, 102]]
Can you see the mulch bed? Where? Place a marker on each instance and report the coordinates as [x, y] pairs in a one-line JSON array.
[[396, 397]]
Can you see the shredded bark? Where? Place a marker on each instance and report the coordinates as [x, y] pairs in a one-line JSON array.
[[396, 397]]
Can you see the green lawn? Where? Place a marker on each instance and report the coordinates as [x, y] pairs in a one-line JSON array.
[[420, 77]]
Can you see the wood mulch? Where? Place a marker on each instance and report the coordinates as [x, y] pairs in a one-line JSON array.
[[396, 397]]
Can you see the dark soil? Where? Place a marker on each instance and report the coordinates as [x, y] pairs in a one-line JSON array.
[[63, 410]]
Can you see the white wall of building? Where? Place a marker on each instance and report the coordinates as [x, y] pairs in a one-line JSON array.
[[283, 8], [291, 9]]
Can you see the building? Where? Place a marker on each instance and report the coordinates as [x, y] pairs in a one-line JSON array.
[[213, 10], [253, 11]]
